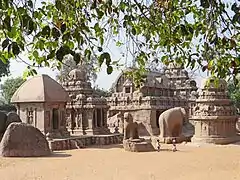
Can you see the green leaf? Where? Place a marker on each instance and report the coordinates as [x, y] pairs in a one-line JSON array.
[[59, 5], [100, 49], [7, 23], [61, 52], [55, 33], [109, 70], [63, 27], [87, 54], [66, 36], [104, 56], [46, 31], [5, 43], [77, 58], [134, 32], [30, 3], [99, 13], [51, 55], [15, 48]]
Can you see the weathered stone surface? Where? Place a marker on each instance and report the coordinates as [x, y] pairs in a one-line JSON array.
[[12, 117], [161, 90], [3, 118], [214, 115], [86, 111], [130, 127], [238, 126], [137, 145], [23, 140], [171, 122]]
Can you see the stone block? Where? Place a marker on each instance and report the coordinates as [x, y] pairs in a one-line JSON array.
[[137, 145]]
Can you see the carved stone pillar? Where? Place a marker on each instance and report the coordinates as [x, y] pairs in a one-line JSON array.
[[95, 118]]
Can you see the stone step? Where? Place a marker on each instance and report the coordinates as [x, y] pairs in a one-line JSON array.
[[84, 142]]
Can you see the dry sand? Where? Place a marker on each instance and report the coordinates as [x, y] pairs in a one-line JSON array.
[[113, 163]]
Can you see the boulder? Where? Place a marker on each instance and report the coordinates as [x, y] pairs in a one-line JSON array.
[[3, 118], [12, 117], [23, 140]]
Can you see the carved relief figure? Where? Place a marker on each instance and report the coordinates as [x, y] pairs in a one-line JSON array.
[[30, 116], [171, 122], [47, 118], [130, 127]]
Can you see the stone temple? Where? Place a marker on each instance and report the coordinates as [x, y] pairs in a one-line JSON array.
[[86, 112], [214, 115], [159, 92], [41, 102]]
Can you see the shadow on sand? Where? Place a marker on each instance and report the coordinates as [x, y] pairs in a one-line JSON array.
[[59, 154], [112, 146]]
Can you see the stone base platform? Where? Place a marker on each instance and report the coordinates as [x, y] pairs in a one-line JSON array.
[[78, 142], [168, 140], [138, 145], [216, 140]]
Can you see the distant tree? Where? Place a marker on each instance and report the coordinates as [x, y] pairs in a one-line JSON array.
[[234, 93], [4, 69], [69, 64], [102, 92], [9, 87]]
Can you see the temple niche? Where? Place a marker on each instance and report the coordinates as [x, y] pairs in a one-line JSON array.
[[214, 115], [41, 102], [145, 104], [86, 112]]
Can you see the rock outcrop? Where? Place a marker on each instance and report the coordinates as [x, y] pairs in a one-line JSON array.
[[23, 140], [3, 118], [12, 117]]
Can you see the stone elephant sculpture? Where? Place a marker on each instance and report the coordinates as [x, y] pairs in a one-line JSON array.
[[130, 127], [171, 122]]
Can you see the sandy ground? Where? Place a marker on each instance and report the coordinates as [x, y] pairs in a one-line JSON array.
[[113, 163]]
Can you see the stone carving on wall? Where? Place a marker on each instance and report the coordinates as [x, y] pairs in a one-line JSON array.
[[30, 116], [47, 118]]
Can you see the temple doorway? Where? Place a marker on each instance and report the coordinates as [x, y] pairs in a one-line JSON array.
[[55, 118], [99, 118]]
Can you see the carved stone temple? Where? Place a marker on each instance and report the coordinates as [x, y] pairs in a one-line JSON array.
[[158, 93], [214, 115], [86, 112], [41, 102], [184, 85]]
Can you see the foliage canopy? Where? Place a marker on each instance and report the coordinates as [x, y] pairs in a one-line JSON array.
[[202, 33], [9, 87]]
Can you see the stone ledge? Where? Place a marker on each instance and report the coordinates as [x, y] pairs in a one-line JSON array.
[[84, 141], [137, 145], [215, 140]]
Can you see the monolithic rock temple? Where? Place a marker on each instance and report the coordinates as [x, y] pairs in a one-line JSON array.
[[86, 112], [214, 115], [41, 102], [73, 115], [160, 91]]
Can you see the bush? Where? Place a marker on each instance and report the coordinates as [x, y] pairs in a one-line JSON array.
[[8, 108]]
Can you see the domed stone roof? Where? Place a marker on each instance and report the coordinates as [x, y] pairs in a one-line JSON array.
[[40, 88]]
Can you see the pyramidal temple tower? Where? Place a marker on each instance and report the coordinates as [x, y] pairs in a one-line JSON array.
[[214, 115]]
